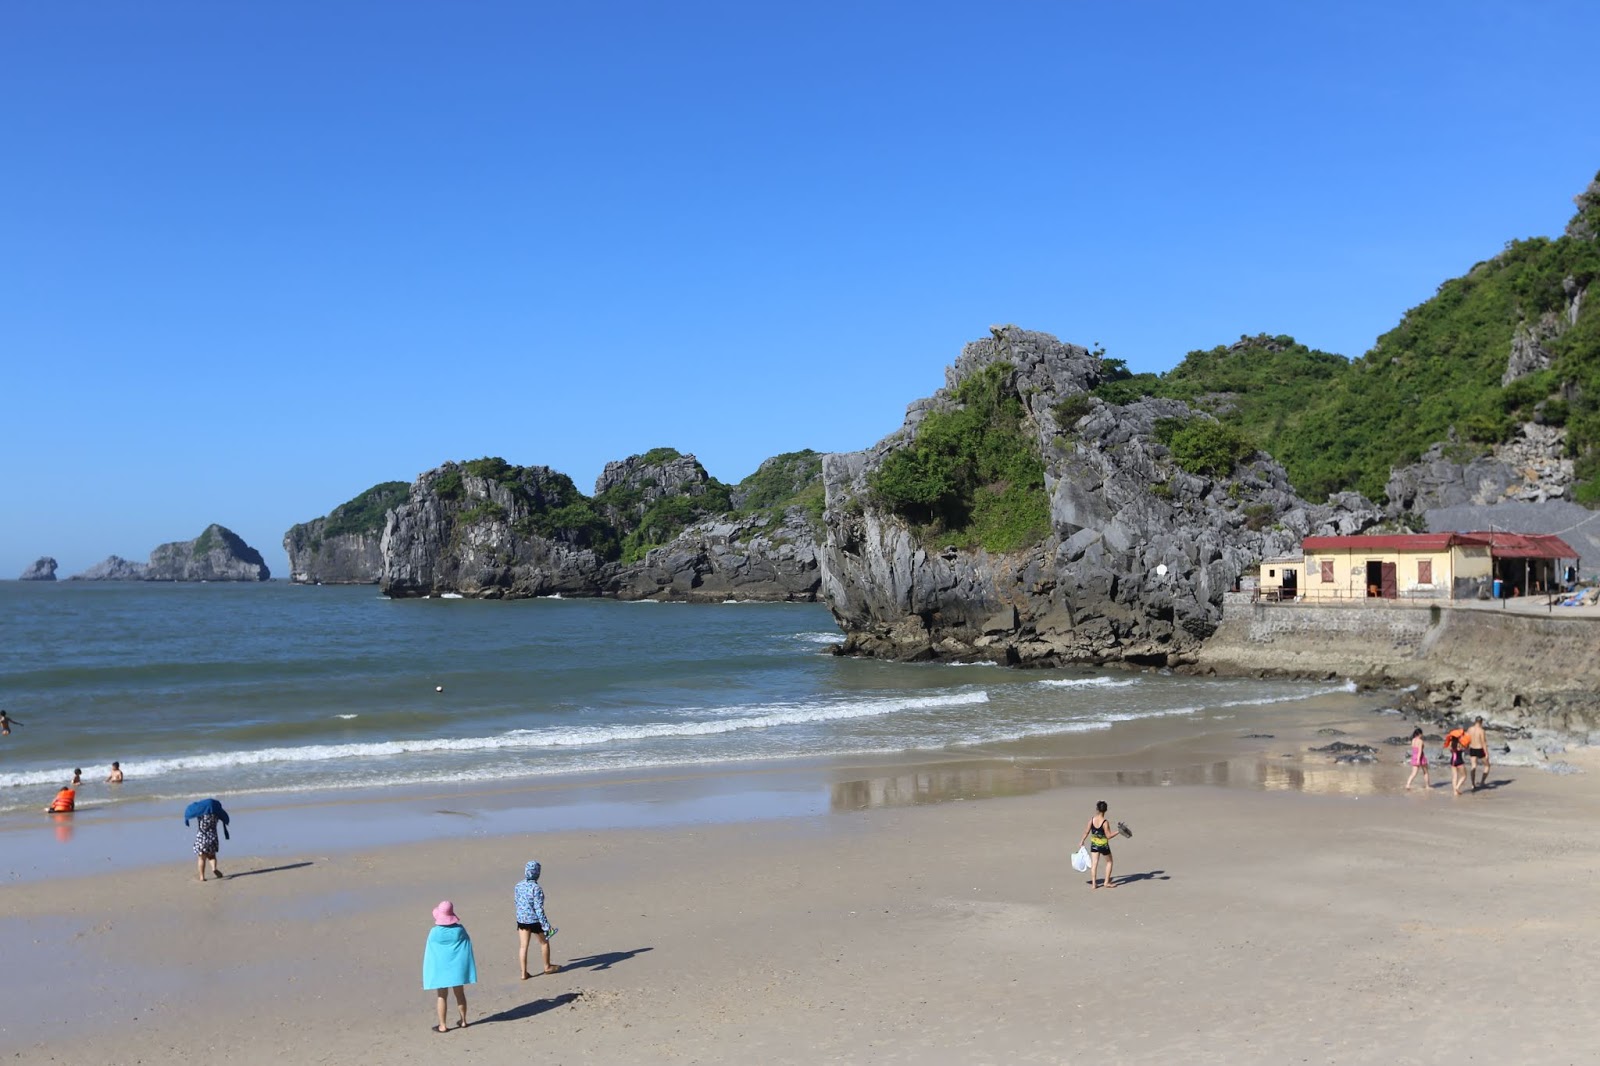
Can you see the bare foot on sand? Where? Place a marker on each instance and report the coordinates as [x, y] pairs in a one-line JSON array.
[[526, 975]]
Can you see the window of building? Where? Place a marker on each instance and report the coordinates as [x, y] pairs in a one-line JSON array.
[[1424, 571], [1272, 573], [1327, 571]]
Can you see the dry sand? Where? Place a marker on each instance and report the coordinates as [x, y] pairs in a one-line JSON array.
[[1315, 915]]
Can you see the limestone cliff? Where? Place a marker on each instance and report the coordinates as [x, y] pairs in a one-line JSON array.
[[657, 527], [729, 557], [344, 547], [488, 529], [1134, 557], [43, 569]]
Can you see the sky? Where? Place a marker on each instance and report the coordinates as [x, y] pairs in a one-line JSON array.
[[255, 258]]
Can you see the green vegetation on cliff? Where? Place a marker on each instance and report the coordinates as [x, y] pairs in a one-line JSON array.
[[792, 479], [1336, 424], [972, 476], [365, 513]]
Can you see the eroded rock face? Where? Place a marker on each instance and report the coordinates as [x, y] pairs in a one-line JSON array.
[[43, 569], [1139, 552], [1530, 468], [218, 554], [626, 489], [345, 546], [486, 537], [342, 559], [727, 558]]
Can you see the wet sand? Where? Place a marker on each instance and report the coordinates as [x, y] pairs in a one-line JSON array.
[[900, 911]]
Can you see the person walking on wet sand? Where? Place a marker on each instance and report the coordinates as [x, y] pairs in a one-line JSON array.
[[1418, 760], [448, 964], [1098, 834], [531, 920], [1457, 756], [207, 813], [1478, 748]]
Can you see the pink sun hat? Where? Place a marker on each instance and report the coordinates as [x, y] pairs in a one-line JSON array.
[[445, 914]]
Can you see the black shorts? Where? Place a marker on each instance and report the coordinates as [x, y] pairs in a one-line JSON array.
[[531, 927], [1477, 753], [1101, 849]]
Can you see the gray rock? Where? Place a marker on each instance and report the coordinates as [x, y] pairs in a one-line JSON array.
[[728, 557], [218, 554], [113, 568], [1125, 573], [1341, 747], [488, 537], [43, 569], [345, 546], [625, 490]]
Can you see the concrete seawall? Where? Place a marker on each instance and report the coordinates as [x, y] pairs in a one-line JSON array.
[[1517, 667]]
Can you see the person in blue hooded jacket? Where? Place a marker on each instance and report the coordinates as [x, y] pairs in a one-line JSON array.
[[531, 920]]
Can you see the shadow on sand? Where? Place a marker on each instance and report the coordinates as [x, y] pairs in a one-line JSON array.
[[1490, 786], [1151, 875], [532, 1009], [268, 870], [603, 961]]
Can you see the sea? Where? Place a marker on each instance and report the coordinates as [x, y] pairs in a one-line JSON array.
[[213, 689]]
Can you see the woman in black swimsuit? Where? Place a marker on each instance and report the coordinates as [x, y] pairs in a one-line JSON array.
[[1098, 835]]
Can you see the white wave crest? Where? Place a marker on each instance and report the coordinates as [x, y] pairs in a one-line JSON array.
[[819, 638], [736, 718], [1089, 682]]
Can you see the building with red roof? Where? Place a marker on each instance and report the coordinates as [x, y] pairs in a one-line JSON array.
[[1430, 566]]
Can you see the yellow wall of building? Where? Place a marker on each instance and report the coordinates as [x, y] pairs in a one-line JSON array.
[[1350, 573]]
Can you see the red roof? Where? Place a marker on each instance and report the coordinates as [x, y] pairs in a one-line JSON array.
[[1501, 545], [1413, 542], [1526, 545]]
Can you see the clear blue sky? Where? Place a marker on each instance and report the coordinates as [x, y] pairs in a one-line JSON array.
[[255, 258]]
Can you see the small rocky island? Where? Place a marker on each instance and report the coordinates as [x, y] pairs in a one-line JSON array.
[[43, 569], [218, 554]]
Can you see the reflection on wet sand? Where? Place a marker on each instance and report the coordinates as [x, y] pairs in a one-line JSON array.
[[941, 784]]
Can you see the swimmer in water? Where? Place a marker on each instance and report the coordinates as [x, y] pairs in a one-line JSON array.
[[115, 776], [77, 776], [6, 722]]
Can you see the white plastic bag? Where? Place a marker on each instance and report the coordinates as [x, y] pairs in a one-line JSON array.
[[1080, 860]]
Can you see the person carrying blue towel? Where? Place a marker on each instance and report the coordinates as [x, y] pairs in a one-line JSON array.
[[207, 813], [531, 920], [447, 962]]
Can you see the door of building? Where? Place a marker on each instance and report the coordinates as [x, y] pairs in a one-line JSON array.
[[1391, 584]]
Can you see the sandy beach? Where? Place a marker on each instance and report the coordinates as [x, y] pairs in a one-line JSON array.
[[1287, 910]]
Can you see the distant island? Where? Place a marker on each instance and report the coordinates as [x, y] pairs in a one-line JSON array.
[[217, 554]]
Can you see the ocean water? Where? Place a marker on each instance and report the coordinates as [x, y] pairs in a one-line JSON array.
[[226, 689]]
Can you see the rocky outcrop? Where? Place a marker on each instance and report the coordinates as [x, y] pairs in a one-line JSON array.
[[1532, 467], [743, 558], [43, 569], [113, 568], [1138, 553], [345, 546], [490, 530], [626, 490], [218, 554]]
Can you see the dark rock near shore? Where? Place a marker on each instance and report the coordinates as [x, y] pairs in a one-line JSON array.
[[43, 569], [112, 568], [1340, 747]]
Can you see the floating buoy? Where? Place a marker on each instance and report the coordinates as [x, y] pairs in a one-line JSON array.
[[438, 688]]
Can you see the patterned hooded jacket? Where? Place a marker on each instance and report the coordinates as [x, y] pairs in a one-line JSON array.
[[530, 900]]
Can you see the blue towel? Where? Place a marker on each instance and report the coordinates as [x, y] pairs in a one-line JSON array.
[[207, 806], [447, 960]]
